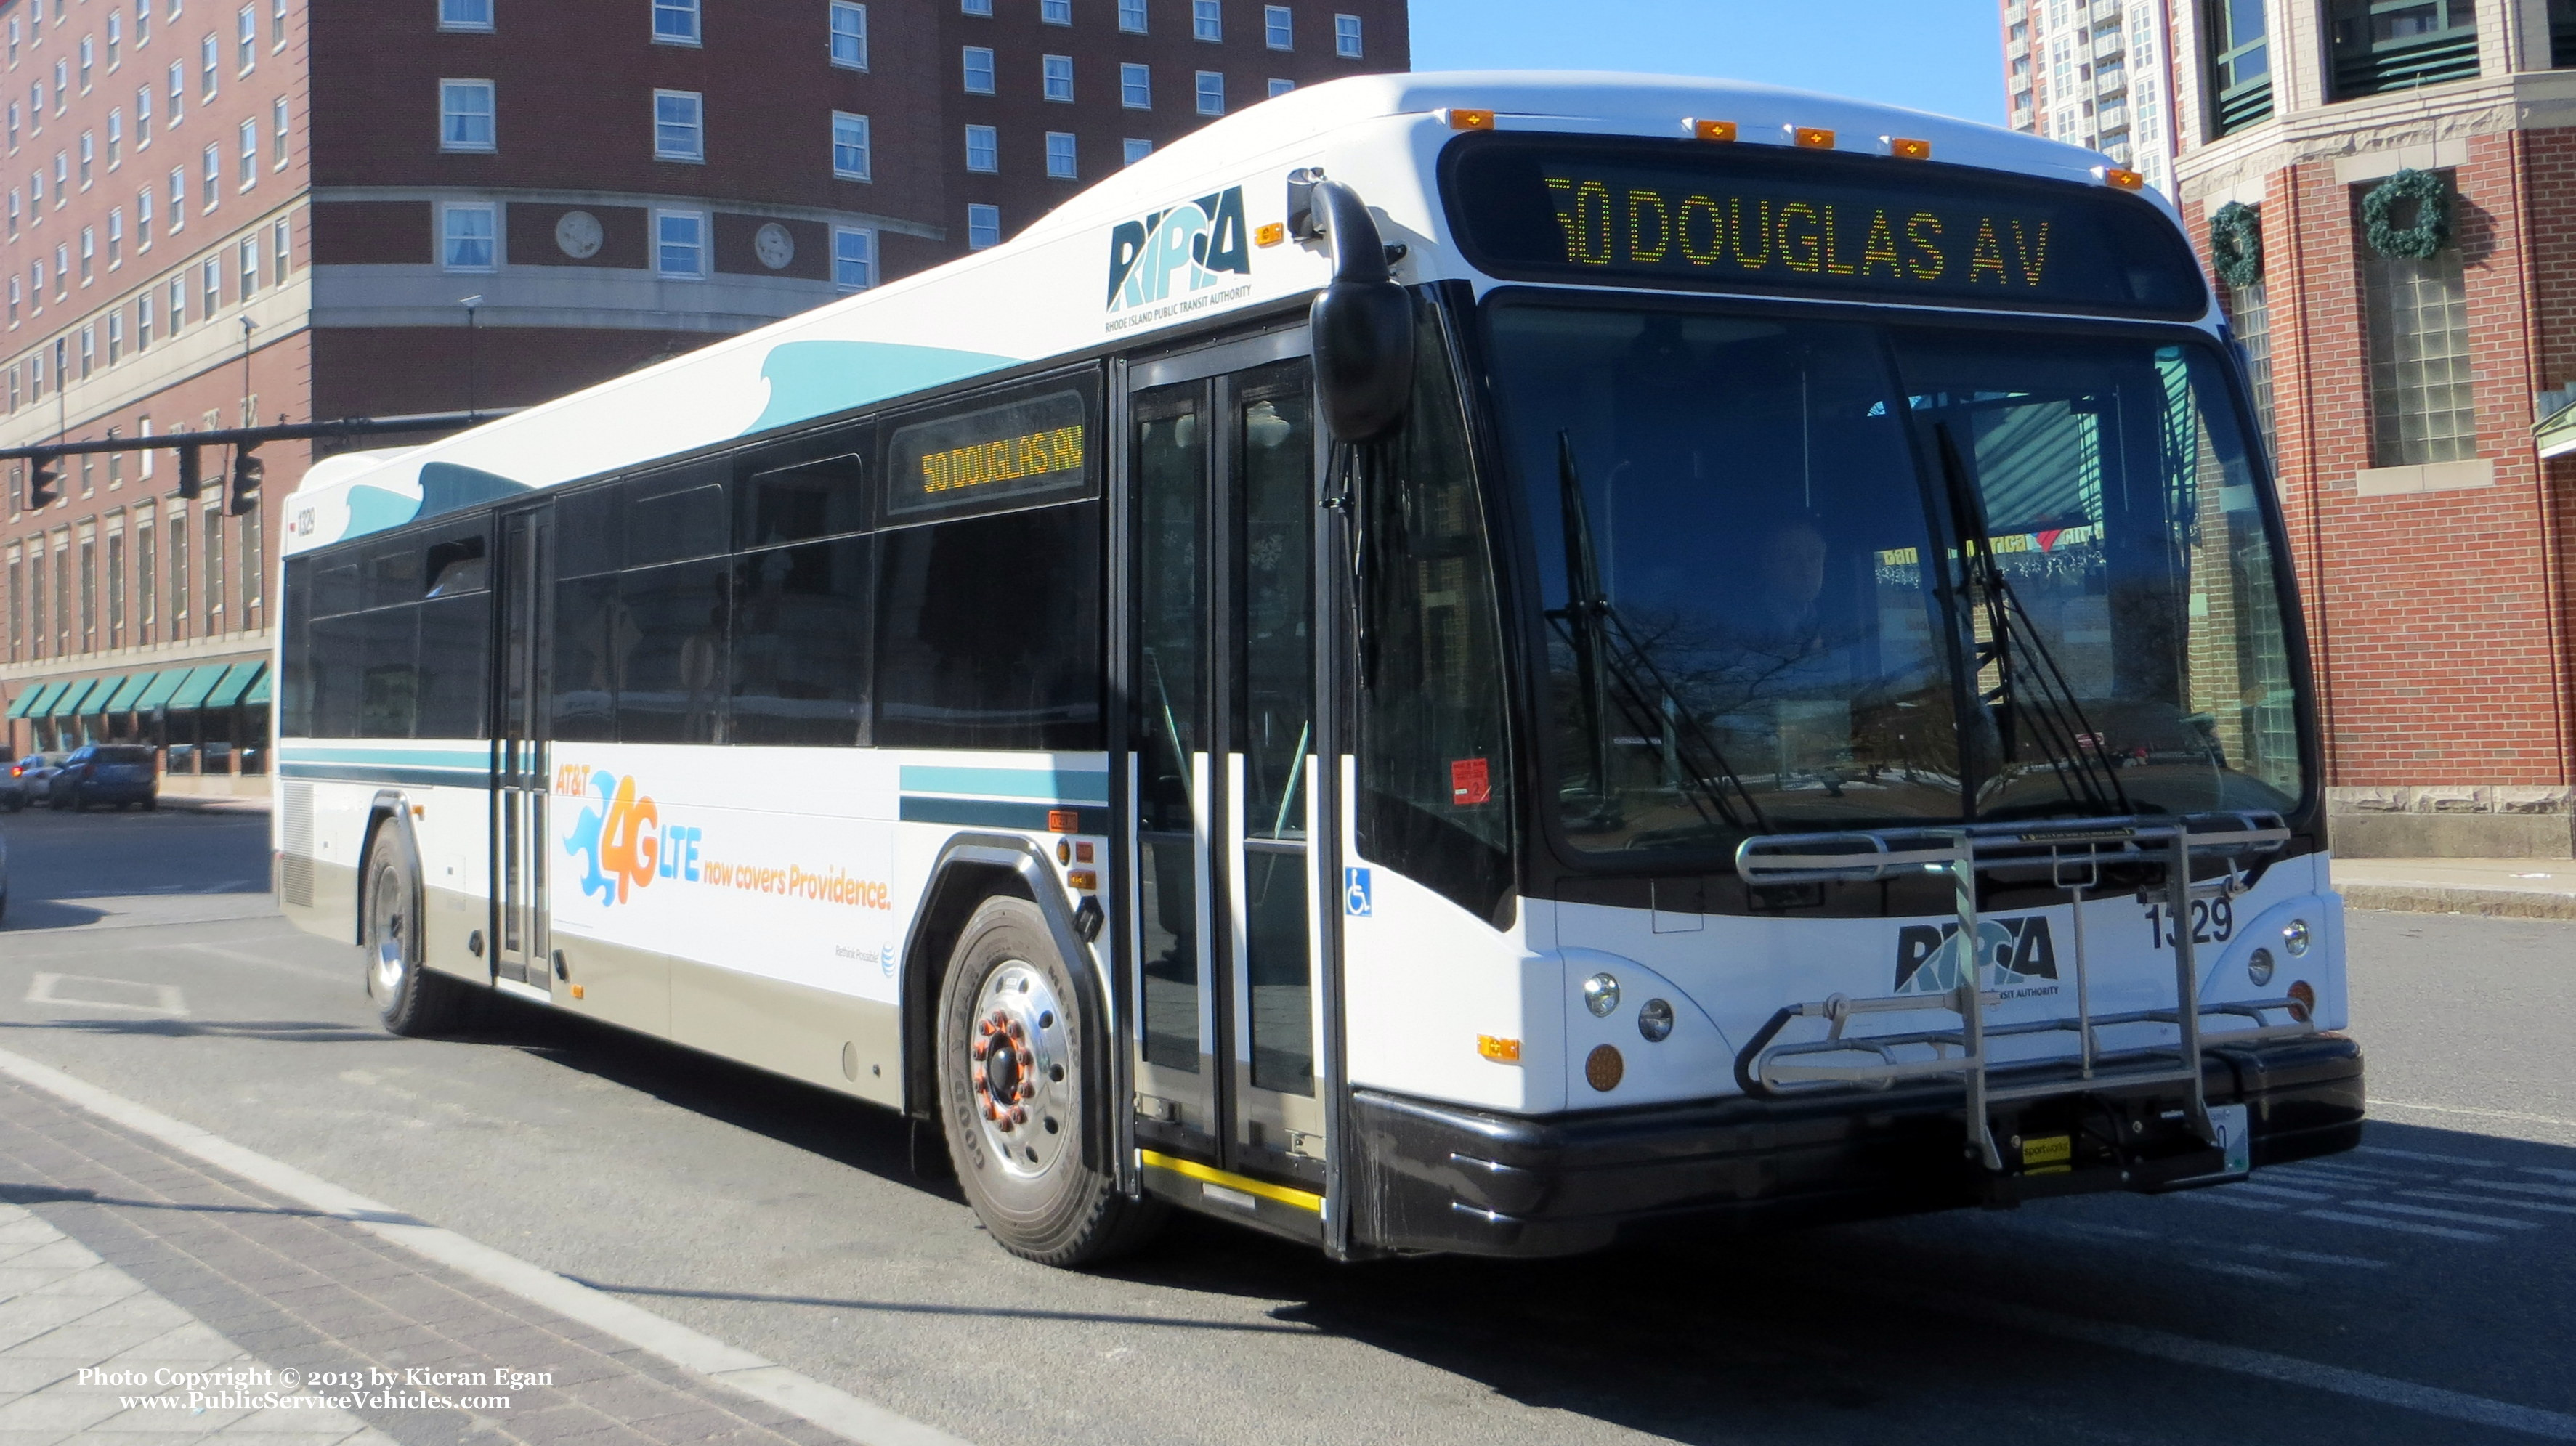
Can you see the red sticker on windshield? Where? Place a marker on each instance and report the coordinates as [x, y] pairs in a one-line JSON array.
[[1470, 782]]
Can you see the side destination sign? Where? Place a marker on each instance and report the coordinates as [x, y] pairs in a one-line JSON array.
[[1032, 449], [1738, 217]]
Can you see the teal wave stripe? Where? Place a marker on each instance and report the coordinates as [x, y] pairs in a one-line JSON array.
[[1055, 785]]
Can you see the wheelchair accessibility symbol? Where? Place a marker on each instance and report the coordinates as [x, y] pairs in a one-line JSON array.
[[1355, 892]]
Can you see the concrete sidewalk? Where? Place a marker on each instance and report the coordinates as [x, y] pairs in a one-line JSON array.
[[2504, 888]]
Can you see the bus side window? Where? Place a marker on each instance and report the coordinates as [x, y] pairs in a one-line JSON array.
[[388, 642], [803, 500], [667, 638], [988, 632], [801, 644], [675, 515], [585, 701], [455, 665], [295, 651]]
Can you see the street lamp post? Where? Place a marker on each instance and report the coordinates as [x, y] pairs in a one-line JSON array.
[[471, 305]]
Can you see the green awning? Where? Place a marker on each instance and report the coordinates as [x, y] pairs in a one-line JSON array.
[[101, 692], [135, 683], [161, 689], [27, 699], [234, 683], [2556, 433], [67, 704], [258, 694], [43, 707], [201, 680]]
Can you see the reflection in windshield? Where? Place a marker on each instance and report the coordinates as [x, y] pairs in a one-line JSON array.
[[1758, 619]]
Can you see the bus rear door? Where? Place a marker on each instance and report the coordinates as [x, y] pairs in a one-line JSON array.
[[519, 754]]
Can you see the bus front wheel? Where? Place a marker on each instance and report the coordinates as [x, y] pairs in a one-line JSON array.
[[410, 998], [1014, 1062]]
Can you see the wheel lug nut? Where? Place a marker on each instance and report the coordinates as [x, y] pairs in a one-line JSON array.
[[982, 1046], [1025, 1058], [1019, 1115], [1019, 1030], [979, 1079]]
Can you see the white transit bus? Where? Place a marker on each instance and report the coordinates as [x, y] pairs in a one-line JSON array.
[[1472, 662]]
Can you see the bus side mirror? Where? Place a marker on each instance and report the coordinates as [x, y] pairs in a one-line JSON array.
[[1361, 328]]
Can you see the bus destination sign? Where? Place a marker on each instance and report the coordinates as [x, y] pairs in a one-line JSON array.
[[1021, 452], [1745, 217]]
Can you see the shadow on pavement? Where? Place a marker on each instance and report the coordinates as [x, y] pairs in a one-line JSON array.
[[293, 1031], [29, 915]]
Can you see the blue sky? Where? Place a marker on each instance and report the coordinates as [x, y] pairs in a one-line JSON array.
[[1935, 55]]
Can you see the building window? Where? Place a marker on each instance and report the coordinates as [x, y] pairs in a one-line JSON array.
[[178, 93], [1346, 36], [1280, 87], [679, 125], [88, 354], [2562, 34], [2417, 317], [1136, 149], [280, 235], [467, 238], [210, 287], [209, 65], [1060, 155], [178, 198], [1058, 72], [116, 238], [115, 354], [1278, 28], [2240, 67], [675, 22], [2384, 45], [1136, 86], [977, 7], [854, 258], [249, 154], [2250, 321], [214, 570], [979, 70], [88, 155], [17, 296], [1055, 12], [143, 21], [1207, 20], [88, 57], [143, 219], [115, 139], [115, 40], [13, 125], [849, 35], [680, 244], [277, 136], [143, 342], [213, 178], [850, 159], [246, 39], [178, 303], [62, 272], [983, 149], [249, 273], [142, 117], [89, 254], [13, 213], [1211, 92], [983, 227], [465, 115], [1131, 16], [63, 82], [464, 14], [277, 24]]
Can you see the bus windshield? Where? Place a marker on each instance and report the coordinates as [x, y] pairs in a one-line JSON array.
[[1809, 574]]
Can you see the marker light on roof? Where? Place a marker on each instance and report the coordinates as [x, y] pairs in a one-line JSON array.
[[1908, 150], [1470, 120], [2125, 180], [1270, 234], [1710, 130], [1814, 138]]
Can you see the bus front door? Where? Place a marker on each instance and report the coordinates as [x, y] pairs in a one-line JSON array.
[[520, 778], [1221, 670]]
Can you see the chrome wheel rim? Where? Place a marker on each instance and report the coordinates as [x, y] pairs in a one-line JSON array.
[[1019, 1066], [388, 952]]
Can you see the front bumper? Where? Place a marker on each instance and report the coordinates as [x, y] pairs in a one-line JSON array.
[[1436, 1177]]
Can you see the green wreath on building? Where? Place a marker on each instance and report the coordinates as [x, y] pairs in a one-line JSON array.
[[2236, 244], [2427, 234]]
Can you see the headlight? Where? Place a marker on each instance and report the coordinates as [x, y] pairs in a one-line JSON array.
[[1601, 994], [2258, 967], [1655, 1020], [2294, 937]]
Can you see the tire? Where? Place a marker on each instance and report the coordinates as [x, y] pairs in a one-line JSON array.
[[410, 998], [1021, 1164]]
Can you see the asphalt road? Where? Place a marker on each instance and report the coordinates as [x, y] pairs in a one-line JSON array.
[[2423, 1289]]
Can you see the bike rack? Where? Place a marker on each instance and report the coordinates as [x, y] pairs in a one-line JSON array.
[[2073, 854]]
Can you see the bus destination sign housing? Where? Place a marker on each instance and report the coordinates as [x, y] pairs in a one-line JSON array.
[[1742, 217]]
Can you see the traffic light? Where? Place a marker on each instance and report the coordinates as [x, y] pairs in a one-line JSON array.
[[45, 483], [190, 481], [247, 470]]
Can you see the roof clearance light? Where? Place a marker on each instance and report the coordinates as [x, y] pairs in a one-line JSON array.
[[1709, 130], [1500, 1051], [1814, 138], [1270, 235], [2125, 180], [1470, 120], [1908, 150]]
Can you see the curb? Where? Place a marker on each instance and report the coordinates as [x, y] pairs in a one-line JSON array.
[[2442, 899]]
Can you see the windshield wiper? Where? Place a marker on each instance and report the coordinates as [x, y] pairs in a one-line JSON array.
[[1610, 668], [2031, 685]]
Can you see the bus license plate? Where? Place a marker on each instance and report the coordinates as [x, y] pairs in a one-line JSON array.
[[2233, 1138]]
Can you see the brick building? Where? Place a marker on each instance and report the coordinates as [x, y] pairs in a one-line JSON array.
[[2093, 73], [2400, 393], [219, 210]]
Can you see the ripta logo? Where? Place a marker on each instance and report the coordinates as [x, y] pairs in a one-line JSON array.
[[1190, 248], [2009, 952]]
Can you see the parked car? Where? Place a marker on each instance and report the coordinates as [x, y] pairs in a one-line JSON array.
[[28, 778], [114, 773]]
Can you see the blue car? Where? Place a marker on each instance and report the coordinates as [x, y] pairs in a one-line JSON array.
[[113, 773]]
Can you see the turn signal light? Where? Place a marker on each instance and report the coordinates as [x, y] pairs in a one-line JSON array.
[[1709, 130], [1814, 138], [1087, 880], [2303, 1001], [1603, 1068], [1499, 1050], [1909, 150], [2125, 180], [1064, 820], [1470, 120]]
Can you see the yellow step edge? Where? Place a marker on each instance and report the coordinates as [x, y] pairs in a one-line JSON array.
[[1210, 1175]]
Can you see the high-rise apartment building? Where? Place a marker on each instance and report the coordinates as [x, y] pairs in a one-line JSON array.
[[219, 211], [2093, 75]]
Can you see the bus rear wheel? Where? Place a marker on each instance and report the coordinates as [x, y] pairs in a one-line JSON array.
[[410, 998], [1014, 1065]]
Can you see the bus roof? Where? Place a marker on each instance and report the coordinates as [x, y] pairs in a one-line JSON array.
[[1216, 187]]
